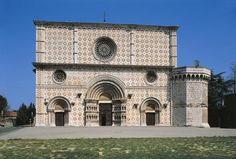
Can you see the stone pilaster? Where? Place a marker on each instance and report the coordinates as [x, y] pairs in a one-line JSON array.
[[75, 45], [173, 48], [132, 53], [40, 43]]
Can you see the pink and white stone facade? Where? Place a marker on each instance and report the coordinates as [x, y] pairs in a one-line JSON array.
[[98, 74]]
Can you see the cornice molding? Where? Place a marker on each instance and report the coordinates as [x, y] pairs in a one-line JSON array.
[[49, 65], [130, 26]]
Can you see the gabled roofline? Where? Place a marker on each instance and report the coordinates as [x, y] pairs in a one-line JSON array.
[[44, 22]]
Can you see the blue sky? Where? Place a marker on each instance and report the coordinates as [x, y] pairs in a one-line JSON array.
[[207, 32]]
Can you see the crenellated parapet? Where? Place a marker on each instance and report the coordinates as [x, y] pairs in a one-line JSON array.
[[191, 73]]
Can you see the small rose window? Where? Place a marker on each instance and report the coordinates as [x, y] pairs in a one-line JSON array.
[[59, 76], [151, 76]]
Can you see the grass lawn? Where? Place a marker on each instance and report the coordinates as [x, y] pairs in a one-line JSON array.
[[209, 147]]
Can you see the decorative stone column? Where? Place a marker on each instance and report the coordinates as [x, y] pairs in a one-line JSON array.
[[92, 113], [118, 114], [123, 114]]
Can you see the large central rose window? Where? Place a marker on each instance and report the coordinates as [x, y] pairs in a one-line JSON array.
[[105, 49]]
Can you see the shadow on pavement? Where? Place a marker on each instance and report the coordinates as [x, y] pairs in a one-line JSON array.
[[4, 130]]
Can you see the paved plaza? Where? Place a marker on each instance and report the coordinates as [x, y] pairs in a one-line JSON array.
[[110, 132]]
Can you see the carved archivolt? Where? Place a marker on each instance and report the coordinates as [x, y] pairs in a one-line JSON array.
[[59, 103], [106, 84], [150, 105], [150, 101]]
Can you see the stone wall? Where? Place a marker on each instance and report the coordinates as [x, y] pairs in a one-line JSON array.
[[74, 43], [190, 96], [137, 50], [78, 80], [136, 44], [179, 103]]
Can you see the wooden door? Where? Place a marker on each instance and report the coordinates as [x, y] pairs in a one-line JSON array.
[[150, 118], [105, 114], [59, 118]]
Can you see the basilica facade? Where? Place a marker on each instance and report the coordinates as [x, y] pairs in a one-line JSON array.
[[100, 74]]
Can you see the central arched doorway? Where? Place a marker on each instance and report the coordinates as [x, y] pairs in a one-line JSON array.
[[105, 102]]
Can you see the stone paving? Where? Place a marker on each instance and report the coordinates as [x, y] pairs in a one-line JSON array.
[[110, 132]]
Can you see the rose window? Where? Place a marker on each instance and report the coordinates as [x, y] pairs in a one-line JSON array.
[[59, 76], [105, 49], [151, 76]]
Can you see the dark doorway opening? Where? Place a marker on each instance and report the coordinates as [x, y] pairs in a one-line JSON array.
[[150, 118], [105, 114], [59, 118]]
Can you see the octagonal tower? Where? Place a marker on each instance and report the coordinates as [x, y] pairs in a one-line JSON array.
[[190, 96]]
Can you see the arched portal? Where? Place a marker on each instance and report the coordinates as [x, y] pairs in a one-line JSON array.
[[150, 112], [105, 103], [58, 109]]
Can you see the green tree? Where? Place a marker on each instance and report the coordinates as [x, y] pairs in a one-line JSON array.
[[218, 87], [233, 76], [22, 115], [31, 112], [3, 105], [25, 114]]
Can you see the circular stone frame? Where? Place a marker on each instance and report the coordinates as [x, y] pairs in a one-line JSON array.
[[105, 49], [59, 76], [151, 77]]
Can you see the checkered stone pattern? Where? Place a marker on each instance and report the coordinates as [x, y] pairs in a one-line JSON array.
[[152, 47], [78, 79], [127, 54], [76, 44], [59, 44]]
